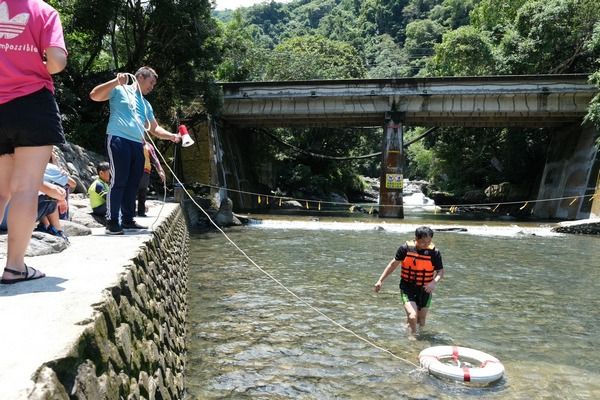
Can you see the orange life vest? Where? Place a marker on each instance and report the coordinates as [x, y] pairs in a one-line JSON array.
[[417, 268]]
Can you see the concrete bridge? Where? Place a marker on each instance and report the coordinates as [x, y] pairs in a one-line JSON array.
[[556, 102]]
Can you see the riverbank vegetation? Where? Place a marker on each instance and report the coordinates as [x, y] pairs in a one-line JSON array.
[[192, 47]]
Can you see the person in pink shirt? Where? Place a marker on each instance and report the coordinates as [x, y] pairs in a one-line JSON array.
[[32, 48]]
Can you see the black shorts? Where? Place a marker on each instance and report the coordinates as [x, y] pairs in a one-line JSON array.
[[30, 121], [416, 294], [46, 206]]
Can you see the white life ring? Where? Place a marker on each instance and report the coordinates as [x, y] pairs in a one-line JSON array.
[[471, 365]]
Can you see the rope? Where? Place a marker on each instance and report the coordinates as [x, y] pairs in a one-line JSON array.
[[306, 303], [321, 156], [450, 206], [326, 157]]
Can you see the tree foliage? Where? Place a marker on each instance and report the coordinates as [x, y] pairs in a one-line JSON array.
[[463, 52], [392, 38], [313, 57], [190, 45], [177, 39]]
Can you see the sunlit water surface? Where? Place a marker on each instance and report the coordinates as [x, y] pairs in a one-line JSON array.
[[522, 294]]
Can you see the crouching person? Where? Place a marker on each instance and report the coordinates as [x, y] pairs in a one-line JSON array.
[[50, 202]]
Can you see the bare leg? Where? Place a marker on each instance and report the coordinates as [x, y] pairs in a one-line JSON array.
[[27, 174], [6, 166], [44, 221], [54, 220], [421, 317], [411, 318]]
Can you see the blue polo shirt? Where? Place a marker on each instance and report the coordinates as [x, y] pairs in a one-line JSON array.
[[122, 122]]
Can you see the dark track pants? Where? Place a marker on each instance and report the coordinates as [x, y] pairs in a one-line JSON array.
[[126, 168]]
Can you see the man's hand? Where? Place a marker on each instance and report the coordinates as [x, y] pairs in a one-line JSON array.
[[122, 78], [161, 174], [175, 138]]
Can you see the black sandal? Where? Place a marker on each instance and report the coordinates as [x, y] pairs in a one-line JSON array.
[[22, 273]]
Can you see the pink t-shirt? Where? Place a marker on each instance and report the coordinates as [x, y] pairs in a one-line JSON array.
[[27, 29]]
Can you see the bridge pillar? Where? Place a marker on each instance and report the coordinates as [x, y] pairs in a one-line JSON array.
[[391, 179], [570, 175]]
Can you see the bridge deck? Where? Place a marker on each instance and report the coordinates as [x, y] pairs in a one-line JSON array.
[[528, 101]]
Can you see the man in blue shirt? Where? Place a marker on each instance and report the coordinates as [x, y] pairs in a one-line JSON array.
[[131, 115]]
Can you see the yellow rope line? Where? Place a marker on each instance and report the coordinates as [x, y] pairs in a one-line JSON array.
[[451, 207]]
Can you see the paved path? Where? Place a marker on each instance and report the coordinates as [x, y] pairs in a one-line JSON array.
[[41, 319]]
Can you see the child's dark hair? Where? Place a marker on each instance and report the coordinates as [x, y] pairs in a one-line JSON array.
[[423, 232], [102, 166]]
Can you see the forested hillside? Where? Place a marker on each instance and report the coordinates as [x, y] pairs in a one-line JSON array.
[[329, 39], [192, 47]]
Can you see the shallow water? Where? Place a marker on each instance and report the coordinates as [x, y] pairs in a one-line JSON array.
[[522, 294]]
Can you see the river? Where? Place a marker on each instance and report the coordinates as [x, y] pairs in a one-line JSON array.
[[519, 292]]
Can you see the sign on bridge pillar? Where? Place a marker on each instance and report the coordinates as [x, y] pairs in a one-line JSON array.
[[390, 185]]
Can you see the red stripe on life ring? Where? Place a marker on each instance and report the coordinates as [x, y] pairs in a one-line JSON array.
[[467, 374], [455, 354]]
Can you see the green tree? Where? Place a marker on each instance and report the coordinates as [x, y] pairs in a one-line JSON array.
[[386, 59], [313, 57], [421, 38], [494, 16], [474, 158], [452, 13], [463, 52], [551, 37], [108, 36], [242, 56], [593, 114], [272, 17]]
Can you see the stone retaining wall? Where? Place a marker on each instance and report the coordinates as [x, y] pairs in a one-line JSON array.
[[134, 346]]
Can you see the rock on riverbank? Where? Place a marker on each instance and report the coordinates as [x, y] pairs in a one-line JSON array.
[[581, 227]]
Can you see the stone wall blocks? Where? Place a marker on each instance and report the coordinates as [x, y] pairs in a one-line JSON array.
[[138, 330], [47, 386], [150, 355], [100, 346], [156, 325], [133, 317], [161, 389], [110, 309], [134, 390], [136, 357], [162, 363], [147, 386], [160, 334], [86, 384], [149, 327], [110, 385], [127, 284], [140, 296], [114, 356], [179, 382], [123, 341], [125, 385]]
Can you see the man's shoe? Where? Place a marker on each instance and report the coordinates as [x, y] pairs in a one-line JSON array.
[[133, 225], [113, 229]]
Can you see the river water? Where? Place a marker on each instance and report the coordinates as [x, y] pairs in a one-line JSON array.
[[521, 293]]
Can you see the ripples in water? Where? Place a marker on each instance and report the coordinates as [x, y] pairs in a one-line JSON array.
[[530, 301]]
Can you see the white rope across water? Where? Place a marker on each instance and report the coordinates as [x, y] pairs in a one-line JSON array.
[[306, 303]]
